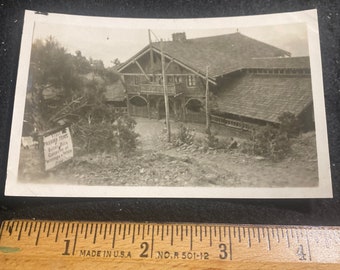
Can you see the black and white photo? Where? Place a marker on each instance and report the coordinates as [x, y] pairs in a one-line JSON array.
[[213, 108]]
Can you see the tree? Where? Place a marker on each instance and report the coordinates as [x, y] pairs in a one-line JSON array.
[[289, 124], [53, 80], [97, 66], [116, 62], [71, 88], [82, 65]]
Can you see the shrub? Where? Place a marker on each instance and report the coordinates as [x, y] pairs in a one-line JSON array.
[[124, 136], [268, 142], [118, 136], [289, 124], [211, 140], [92, 137], [183, 136]]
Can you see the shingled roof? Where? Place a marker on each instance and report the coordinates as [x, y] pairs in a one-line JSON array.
[[223, 53], [280, 63], [265, 97]]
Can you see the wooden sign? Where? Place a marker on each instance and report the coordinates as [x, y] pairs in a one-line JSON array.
[[58, 148], [27, 244]]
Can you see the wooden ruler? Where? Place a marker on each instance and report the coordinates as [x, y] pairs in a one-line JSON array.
[[28, 244]]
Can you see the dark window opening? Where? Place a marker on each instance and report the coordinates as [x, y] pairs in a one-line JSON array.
[[194, 105], [138, 101]]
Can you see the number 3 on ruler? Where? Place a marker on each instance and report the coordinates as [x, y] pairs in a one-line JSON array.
[[223, 251]]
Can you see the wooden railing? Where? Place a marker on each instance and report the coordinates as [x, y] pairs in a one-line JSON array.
[[132, 88], [195, 92], [156, 89], [230, 123]]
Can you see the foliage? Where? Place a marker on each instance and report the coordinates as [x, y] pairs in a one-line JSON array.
[[289, 124], [124, 135], [116, 62], [268, 142], [272, 142], [117, 137], [211, 141], [92, 137], [71, 88], [183, 136], [82, 65], [51, 74], [58, 78]]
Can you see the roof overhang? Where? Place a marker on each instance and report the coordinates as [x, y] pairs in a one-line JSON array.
[[146, 50]]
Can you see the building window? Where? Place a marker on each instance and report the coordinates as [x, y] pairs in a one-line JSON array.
[[159, 79], [137, 80], [178, 79], [170, 79], [191, 79]]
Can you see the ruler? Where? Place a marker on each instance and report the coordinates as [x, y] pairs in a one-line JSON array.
[[28, 244]]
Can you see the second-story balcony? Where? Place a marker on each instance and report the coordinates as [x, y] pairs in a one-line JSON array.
[[155, 89]]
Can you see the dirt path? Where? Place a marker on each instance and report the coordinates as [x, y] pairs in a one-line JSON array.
[[150, 132], [233, 168]]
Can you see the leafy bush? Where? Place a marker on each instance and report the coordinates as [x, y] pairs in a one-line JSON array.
[[211, 140], [124, 135], [289, 124], [183, 136], [92, 137], [106, 137], [268, 142]]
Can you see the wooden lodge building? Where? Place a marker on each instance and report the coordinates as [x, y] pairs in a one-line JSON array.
[[249, 81]]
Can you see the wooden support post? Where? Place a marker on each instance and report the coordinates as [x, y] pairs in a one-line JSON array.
[[175, 108], [126, 95], [184, 110], [151, 51], [207, 111], [166, 100], [148, 105]]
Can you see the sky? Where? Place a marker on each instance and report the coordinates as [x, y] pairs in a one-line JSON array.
[[108, 44]]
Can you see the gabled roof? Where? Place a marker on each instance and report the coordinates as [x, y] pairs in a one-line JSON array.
[[223, 54], [265, 97]]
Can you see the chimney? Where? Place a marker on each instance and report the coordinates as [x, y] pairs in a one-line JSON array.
[[180, 37]]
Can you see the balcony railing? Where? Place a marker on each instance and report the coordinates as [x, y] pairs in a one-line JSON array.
[[155, 89], [230, 123]]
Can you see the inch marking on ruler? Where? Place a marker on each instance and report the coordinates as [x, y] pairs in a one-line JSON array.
[[170, 242]]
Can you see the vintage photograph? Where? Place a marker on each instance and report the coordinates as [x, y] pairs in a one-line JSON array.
[[219, 107]]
